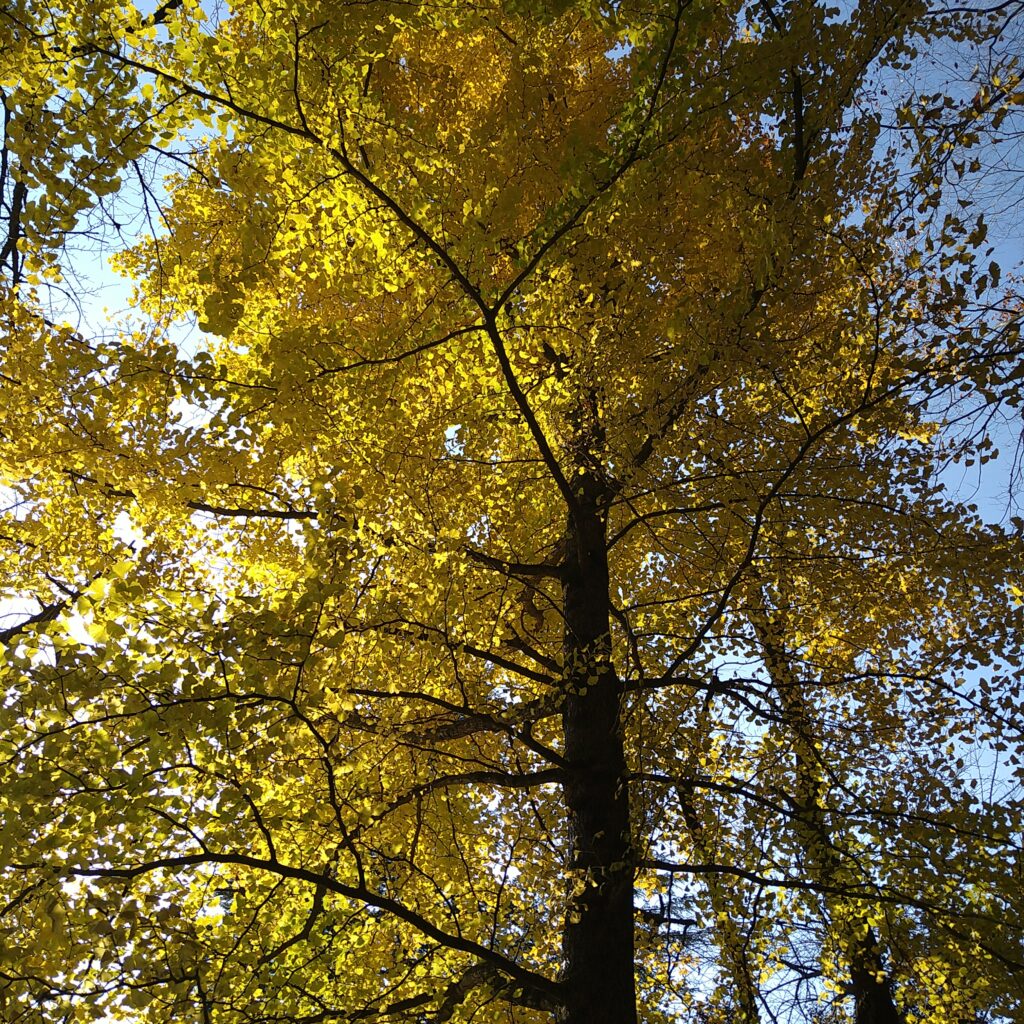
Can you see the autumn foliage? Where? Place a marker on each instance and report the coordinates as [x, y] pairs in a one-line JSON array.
[[534, 590]]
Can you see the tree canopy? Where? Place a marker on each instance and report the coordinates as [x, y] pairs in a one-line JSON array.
[[537, 596]]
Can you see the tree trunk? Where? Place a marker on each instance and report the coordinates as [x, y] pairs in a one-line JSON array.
[[598, 938], [872, 996], [869, 979]]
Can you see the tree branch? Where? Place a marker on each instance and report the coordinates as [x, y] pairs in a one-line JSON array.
[[544, 986]]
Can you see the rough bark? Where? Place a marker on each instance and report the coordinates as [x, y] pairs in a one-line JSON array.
[[598, 938]]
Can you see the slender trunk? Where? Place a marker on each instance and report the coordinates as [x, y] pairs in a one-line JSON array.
[[731, 939], [869, 980], [598, 938], [725, 898]]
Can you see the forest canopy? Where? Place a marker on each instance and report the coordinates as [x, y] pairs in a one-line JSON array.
[[505, 566]]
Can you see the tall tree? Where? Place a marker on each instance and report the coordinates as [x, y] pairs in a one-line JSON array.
[[535, 599]]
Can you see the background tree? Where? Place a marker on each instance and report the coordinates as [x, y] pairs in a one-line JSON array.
[[536, 601]]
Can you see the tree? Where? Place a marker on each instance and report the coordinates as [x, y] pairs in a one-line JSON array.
[[536, 600]]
